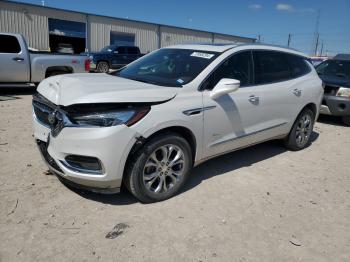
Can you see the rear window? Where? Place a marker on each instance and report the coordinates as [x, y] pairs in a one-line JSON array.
[[9, 44]]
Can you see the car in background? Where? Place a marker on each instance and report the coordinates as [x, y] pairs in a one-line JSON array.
[[20, 66], [113, 57], [65, 48], [149, 123], [316, 60], [335, 74]]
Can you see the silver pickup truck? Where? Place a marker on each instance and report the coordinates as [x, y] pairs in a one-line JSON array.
[[22, 67]]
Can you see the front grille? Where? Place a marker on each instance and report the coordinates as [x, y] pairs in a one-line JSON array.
[[49, 160], [331, 90], [48, 114], [42, 112]]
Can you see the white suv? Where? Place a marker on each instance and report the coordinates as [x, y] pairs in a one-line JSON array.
[[152, 121]]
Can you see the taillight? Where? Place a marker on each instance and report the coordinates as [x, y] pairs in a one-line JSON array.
[[87, 65]]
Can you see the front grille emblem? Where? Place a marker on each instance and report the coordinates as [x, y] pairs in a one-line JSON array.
[[52, 117]]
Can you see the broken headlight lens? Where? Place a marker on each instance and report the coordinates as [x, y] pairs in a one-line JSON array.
[[344, 92], [105, 119]]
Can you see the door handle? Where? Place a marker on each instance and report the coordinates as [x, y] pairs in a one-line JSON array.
[[254, 99], [18, 59], [297, 92]]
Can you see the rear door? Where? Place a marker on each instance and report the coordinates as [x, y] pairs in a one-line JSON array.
[[280, 91], [120, 57], [133, 53], [14, 60], [232, 120]]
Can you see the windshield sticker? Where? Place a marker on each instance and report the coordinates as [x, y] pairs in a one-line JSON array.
[[180, 81], [202, 55]]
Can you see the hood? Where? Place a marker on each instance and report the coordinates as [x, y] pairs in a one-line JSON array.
[[87, 88], [335, 81]]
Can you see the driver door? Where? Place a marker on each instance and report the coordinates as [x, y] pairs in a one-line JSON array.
[[232, 120]]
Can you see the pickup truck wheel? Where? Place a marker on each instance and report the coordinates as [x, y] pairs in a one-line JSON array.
[[102, 67], [299, 136], [159, 168], [346, 120]]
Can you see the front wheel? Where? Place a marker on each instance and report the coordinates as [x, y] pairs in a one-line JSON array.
[[346, 120], [299, 136], [159, 169], [102, 67]]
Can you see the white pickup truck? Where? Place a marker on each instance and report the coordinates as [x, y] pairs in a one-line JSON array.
[[22, 67]]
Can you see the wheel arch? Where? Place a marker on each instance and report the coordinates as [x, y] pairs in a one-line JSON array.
[[185, 132], [52, 69]]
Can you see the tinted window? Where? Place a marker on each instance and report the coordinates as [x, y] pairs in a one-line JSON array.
[[133, 50], [238, 66], [271, 67], [298, 65], [334, 68], [168, 67], [121, 50], [9, 44]]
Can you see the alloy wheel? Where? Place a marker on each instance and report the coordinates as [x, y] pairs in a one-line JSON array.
[[164, 168], [303, 130]]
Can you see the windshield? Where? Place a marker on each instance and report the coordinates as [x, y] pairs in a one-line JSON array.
[[108, 48], [169, 67], [335, 68]]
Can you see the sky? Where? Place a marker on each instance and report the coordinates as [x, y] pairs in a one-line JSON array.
[[272, 20]]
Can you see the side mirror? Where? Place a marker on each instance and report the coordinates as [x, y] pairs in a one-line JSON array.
[[225, 86]]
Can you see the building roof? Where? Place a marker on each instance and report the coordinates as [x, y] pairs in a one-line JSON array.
[[139, 21]]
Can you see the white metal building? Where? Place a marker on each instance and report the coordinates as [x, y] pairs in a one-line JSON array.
[[47, 28]]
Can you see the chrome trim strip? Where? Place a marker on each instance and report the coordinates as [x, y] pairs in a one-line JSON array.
[[246, 135], [199, 110], [82, 170]]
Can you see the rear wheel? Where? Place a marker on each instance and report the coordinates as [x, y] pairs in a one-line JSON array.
[[346, 120], [102, 67], [159, 169], [299, 136]]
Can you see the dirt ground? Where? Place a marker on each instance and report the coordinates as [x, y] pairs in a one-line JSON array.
[[258, 204]]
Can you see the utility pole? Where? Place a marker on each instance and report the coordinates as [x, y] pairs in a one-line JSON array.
[[259, 38], [321, 49], [316, 47], [289, 39], [317, 34]]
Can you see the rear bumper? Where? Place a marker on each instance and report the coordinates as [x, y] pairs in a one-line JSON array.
[[335, 105]]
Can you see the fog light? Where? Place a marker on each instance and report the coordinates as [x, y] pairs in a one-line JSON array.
[[84, 164]]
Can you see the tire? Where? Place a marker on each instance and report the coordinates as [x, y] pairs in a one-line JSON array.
[[299, 136], [150, 176], [102, 67], [346, 120]]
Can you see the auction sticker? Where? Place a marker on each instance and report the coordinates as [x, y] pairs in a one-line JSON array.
[[202, 55]]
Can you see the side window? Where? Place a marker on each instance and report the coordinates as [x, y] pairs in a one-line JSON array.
[[270, 66], [121, 50], [239, 66], [298, 65], [132, 50], [9, 44]]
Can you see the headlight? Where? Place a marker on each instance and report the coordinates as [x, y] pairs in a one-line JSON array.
[[343, 91], [104, 119]]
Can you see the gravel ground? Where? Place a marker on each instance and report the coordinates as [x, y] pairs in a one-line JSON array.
[[258, 204]]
